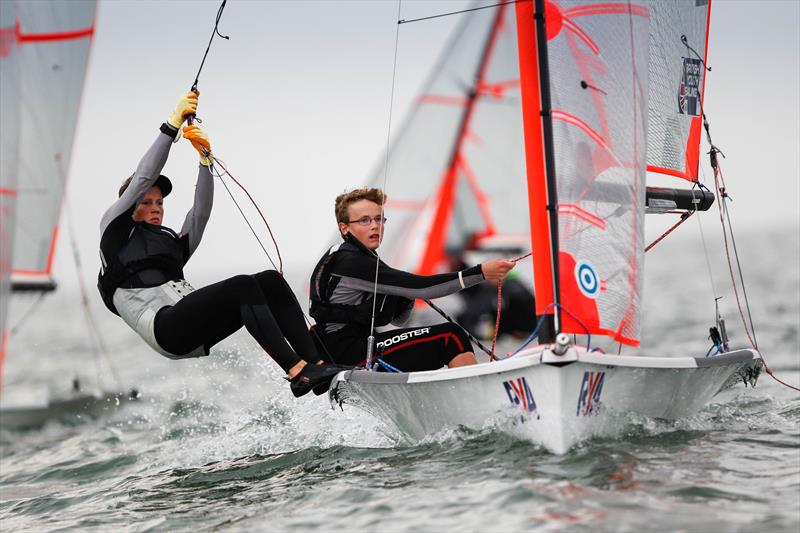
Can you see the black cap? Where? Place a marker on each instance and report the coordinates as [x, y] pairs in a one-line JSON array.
[[162, 182]]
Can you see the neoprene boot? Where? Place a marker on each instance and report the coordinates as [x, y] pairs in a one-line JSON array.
[[314, 377]]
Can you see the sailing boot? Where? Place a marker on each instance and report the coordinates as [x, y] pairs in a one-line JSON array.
[[314, 377]]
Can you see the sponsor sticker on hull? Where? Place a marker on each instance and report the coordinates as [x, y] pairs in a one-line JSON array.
[[520, 395], [589, 393]]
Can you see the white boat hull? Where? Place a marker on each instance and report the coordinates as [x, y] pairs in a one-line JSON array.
[[556, 401]]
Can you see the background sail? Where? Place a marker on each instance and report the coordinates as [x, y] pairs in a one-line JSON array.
[[597, 54], [53, 40], [454, 164], [9, 124], [677, 78]]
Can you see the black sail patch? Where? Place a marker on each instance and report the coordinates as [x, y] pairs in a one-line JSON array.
[[689, 90]]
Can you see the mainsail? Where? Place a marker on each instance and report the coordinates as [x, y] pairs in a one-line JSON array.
[[455, 165], [44, 50], [463, 169]]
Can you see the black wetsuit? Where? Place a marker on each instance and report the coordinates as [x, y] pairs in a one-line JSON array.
[[143, 262], [341, 302]]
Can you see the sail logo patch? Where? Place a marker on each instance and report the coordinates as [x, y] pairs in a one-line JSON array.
[[520, 394], [689, 90], [589, 393], [588, 281]]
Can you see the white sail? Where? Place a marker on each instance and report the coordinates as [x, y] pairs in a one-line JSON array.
[[9, 123], [53, 39], [677, 78], [44, 50]]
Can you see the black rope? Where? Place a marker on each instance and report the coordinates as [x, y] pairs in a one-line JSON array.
[[462, 11], [246, 220], [470, 335], [724, 196], [213, 33]]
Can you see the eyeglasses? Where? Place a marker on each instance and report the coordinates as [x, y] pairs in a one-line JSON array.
[[366, 221]]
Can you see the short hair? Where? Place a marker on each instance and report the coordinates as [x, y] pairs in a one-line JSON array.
[[343, 201]]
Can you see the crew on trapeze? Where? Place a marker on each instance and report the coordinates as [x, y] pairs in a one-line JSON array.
[[343, 284], [141, 278]]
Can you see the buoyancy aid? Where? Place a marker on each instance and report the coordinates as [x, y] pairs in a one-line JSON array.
[[323, 285], [152, 256]]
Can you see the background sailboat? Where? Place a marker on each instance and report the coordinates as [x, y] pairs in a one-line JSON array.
[[44, 51], [588, 156]]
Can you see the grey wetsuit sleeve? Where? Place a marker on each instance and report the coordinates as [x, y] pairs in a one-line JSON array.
[[143, 178], [198, 215], [399, 283]]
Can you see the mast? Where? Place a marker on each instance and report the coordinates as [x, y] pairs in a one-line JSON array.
[[540, 163], [433, 251]]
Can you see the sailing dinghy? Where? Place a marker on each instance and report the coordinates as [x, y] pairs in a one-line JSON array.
[[44, 51], [565, 104]]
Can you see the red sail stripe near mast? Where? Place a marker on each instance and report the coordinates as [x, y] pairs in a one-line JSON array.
[[434, 251], [534, 158]]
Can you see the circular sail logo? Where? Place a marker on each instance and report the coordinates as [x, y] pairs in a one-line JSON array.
[[588, 281]]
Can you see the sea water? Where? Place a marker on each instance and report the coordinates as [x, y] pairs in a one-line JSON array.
[[220, 444]]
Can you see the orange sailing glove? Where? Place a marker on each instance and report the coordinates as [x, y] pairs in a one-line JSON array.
[[187, 105], [199, 140]]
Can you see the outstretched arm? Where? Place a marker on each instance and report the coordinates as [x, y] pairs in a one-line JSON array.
[[360, 275], [152, 162], [198, 215]]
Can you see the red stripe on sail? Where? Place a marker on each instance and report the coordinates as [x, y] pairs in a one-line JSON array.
[[579, 212], [577, 30], [52, 252], [434, 251], [607, 9], [4, 191], [575, 121], [693, 142], [668, 172], [483, 201], [438, 99], [23, 272], [534, 158], [48, 267], [54, 36]]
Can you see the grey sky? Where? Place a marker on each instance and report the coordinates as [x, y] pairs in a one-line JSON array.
[[296, 104]]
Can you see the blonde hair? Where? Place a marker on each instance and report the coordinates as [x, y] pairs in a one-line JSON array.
[[343, 201]]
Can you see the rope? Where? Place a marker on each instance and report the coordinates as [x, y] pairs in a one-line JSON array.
[[371, 338], [499, 307], [459, 12], [225, 171], [213, 33], [719, 183], [98, 346], [684, 217]]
